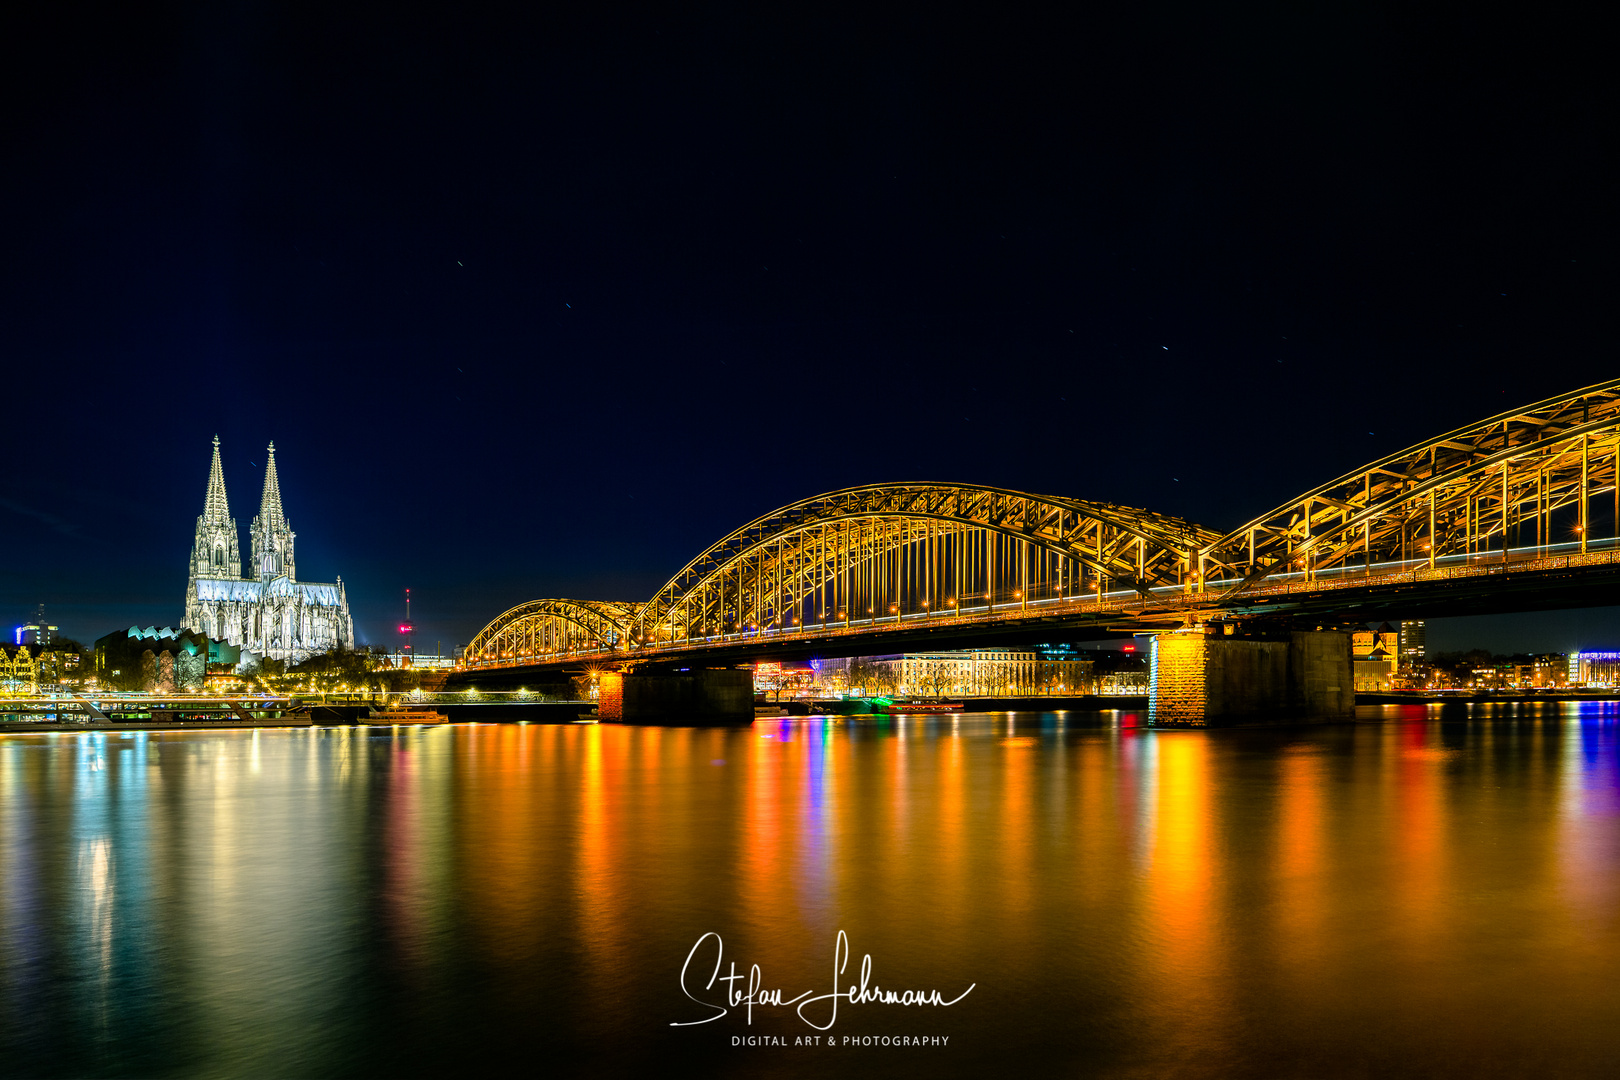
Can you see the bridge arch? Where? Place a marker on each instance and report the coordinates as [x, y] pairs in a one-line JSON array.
[[884, 551], [1531, 489], [548, 629], [1543, 476]]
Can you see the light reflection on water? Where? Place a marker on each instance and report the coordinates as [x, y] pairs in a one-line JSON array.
[[1435, 893]]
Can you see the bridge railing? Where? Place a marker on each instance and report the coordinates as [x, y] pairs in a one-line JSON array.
[[1470, 564]]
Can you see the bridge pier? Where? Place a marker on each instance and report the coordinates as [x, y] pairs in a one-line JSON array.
[[1201, 679], [701, 696]]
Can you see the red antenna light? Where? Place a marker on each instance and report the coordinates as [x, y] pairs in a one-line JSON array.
[[407, 629]]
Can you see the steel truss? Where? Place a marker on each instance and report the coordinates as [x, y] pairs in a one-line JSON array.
[[1535, 478], [1536, 483], [549, 629], [898, 551]]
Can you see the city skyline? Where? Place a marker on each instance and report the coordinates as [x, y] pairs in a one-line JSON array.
[[1560, 630]]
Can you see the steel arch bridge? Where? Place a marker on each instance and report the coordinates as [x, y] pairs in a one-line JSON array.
[[886, 551], [553, 628], [1526, 492]]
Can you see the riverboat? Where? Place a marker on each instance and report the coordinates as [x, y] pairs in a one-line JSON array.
[[898, 707], [144, 712], [396, 715]]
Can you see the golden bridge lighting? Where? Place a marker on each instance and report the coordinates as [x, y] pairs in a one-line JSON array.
[[906, 549]]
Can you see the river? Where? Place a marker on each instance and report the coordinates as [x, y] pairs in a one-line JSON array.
[[1431, 894]]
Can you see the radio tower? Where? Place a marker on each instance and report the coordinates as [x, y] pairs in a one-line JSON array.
[[407, 629]]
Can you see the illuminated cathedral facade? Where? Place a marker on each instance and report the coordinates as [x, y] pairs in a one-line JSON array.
[[266, 611]]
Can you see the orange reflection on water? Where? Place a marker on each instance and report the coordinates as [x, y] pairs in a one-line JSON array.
[[501, 854], [1096, 837], [606, 809], [1419, 852], [1301, 905], [1017, 830], [767, 865], [1181, 884], [950, 801]]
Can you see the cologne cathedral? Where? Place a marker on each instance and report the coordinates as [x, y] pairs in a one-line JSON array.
[[268, 611]]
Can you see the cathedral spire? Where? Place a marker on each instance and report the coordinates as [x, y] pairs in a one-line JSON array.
[[214, 551], [216, 508], [270, 502], [272, 536]]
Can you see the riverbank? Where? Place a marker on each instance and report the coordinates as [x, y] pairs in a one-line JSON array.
[[862, 707], [1443, 697]]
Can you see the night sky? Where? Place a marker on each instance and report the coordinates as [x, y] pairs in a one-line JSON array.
[[539, 300]]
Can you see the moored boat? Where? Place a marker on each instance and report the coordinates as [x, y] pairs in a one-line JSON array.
[[396, 715]]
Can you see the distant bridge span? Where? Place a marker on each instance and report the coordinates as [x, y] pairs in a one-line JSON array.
[[1516, 512]]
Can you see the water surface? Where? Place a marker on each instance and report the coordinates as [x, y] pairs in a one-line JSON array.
[[1429, 895]]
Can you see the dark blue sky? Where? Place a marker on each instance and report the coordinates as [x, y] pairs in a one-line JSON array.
[[540, 302]]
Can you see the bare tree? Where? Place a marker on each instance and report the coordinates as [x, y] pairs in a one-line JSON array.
[[937, 679], [862, 675]]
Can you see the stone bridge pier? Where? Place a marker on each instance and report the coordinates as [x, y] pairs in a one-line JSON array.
[[701, 696], [1205, 677]]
